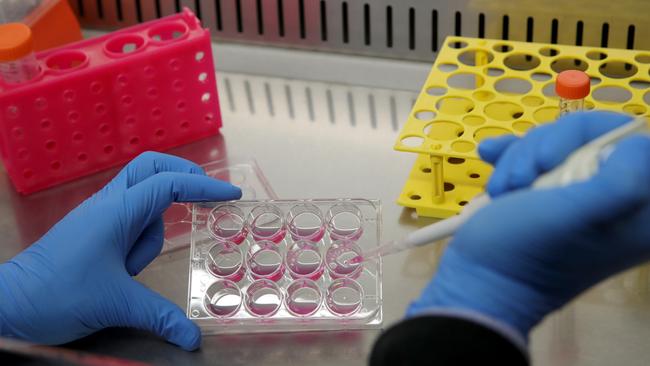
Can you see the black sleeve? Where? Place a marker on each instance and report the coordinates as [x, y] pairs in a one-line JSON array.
[[444, 340]]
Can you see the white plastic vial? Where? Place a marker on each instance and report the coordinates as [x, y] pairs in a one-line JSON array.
[[18, 63], [572, 86]]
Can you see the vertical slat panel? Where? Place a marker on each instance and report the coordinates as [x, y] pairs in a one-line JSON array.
[[542, 15]]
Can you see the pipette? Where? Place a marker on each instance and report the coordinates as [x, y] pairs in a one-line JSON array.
[[579, 166]]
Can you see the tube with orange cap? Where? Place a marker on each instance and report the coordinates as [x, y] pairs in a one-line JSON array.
[[18, 63], [572, 86]]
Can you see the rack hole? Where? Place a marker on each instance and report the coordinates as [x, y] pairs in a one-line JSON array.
[[436, 90], [643, 58], [635, 109], [594, 80], [205, 97], [617, 69], [134, 141], [475, 57], [521, 61], [152, 93], [511, 86], [181, 105], [474, 175], [100, 109], [494, 71], [596, 55], [425, 115], [185, 125], [448, 187], [66, 60], [549, 90], [108, 149], [425, 169], [462, 203], [546, 114], [465, 80], [549, 51], [199, 56], [611, 94], [455, 161], [56, 165], [473, 120], [412, 141], [82, 157], [489, 132], [502, 47], [46, 123], [28, 173], [640, 84], [167, 32], [443, 130], [156, 113], [568, 63], [532, 101], [124, 44], [483, 95], [203, 77], [455, 105], [73, 116], [447, 67], [77, 136], [69, 95], [541, 76], [503, 111], [457, 44], [96, 87], [104, 128], [18, 132], [521, 126], [160, 132], [50, 145], [415, 197]]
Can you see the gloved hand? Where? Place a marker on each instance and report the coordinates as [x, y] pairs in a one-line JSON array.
[[531, 251], [77, 278]]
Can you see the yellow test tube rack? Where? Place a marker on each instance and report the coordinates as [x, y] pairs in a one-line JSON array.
[[480, 88]]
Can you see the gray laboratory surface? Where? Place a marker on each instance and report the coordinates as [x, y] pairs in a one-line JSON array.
[[323, 126]]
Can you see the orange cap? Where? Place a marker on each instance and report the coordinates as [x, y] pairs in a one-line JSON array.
[[572, 84], [15, 41]]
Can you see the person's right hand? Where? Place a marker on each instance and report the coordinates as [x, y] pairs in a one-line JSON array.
[[531, 251], [77, 279]]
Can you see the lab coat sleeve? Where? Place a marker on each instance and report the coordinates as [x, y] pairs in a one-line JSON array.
[[444, 337]]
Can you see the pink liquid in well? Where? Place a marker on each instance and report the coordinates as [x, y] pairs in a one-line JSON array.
[[303, 309], [274, 276], [263, 298], [266, 263], [273, 235], [308, 234], [305, 262], [303, 297], [341, 261], [240, 237], [346, 235]]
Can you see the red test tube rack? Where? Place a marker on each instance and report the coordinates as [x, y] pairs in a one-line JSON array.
[[98, 103]]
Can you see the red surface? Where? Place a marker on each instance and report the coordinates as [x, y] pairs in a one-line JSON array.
[[572, 84], [94, 107]]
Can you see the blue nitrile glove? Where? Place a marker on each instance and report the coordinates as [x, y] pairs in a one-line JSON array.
[[530, 252], [77, 279]]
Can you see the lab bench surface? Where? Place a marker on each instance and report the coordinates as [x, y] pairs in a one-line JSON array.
[[328, 132]]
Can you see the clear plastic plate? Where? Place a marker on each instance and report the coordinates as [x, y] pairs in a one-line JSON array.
[[284, 265], [244, 173]]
